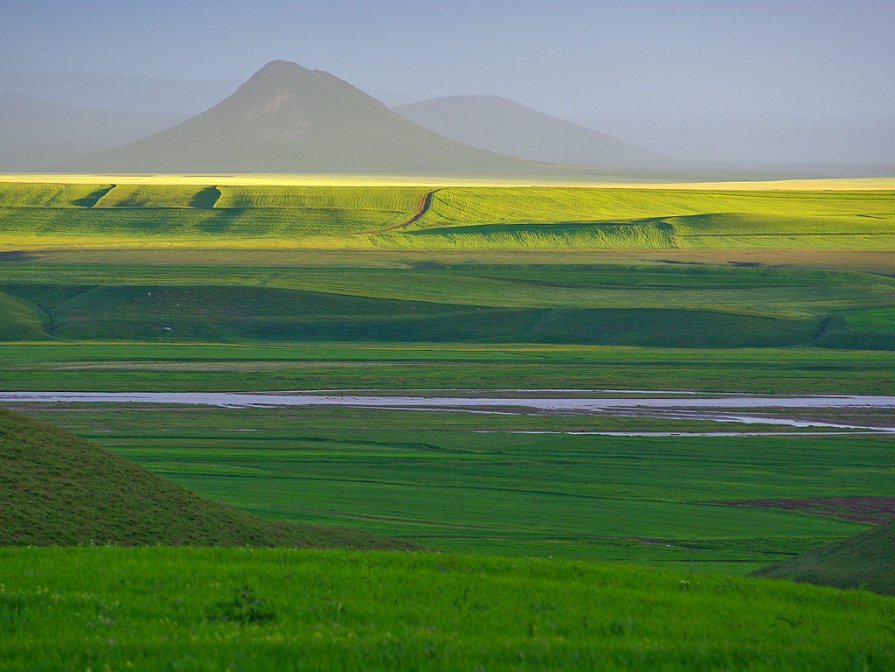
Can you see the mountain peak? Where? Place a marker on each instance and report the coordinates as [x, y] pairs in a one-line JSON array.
[[281, 68], [277, 74]]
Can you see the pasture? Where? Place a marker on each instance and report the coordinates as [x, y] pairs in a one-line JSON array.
[[211, 609]]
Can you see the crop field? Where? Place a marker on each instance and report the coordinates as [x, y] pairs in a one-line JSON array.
[[207, 609]]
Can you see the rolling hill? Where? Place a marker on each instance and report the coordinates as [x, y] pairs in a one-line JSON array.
[[37, 133], [866, 560], [59, 490], [289, 119], [501, 125]]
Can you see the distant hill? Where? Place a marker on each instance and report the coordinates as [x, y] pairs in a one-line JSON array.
[[863, 561], [36, 133], [59, 490], [501, 125], [288, 119]]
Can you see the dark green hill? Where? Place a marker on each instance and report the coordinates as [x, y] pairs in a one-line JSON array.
[[863, 561], [289, 119], [57, 489], [221, 313]]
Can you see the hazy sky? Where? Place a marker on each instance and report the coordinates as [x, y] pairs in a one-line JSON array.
[[774, 57]]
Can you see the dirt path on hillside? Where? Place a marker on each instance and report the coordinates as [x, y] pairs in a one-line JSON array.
[[421, 209]]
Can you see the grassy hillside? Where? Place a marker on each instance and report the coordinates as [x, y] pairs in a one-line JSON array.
[[59, 490], [500, 218], [669, 305], [183, 313], [864, 561], [40, 216], [74, 609], [146, 215]]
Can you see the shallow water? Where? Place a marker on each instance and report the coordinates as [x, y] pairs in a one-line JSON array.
[[682, 434], [579, 404], [661, 406]]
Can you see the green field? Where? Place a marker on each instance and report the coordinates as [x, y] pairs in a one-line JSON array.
[[655, 305], [39, 216], [465, 482], [201, 609], [49, 365]]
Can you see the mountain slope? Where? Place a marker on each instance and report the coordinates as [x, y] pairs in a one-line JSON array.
[[863, 561], [59, 490], [287, 118], [500, 125], [36, 133]]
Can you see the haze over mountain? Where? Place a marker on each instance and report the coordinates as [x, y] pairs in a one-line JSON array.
[[36, 133], [754, 139], [501, 125], [287, 118], [182, 95]]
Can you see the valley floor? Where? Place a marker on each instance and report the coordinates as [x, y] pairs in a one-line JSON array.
[[178, 285]]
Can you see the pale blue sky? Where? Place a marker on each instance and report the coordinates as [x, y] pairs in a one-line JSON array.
[[783, 57]]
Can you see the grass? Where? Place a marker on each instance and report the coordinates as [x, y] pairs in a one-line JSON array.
[[55, 365], [191, 312], [469, 483], [459, 206], [398, 199], [865, 561], [200, 609], [317, 216], [140, 214], [57, 489], [670, 305], [500, 218]]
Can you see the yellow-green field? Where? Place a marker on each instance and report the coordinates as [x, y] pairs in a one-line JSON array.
[[170, 212]]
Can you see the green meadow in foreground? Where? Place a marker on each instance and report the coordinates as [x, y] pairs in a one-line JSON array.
[[201, 609]]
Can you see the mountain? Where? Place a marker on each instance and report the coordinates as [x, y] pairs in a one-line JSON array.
[[500, 125], [288, 119], [863, 561], [59, 490], [37, 133]]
